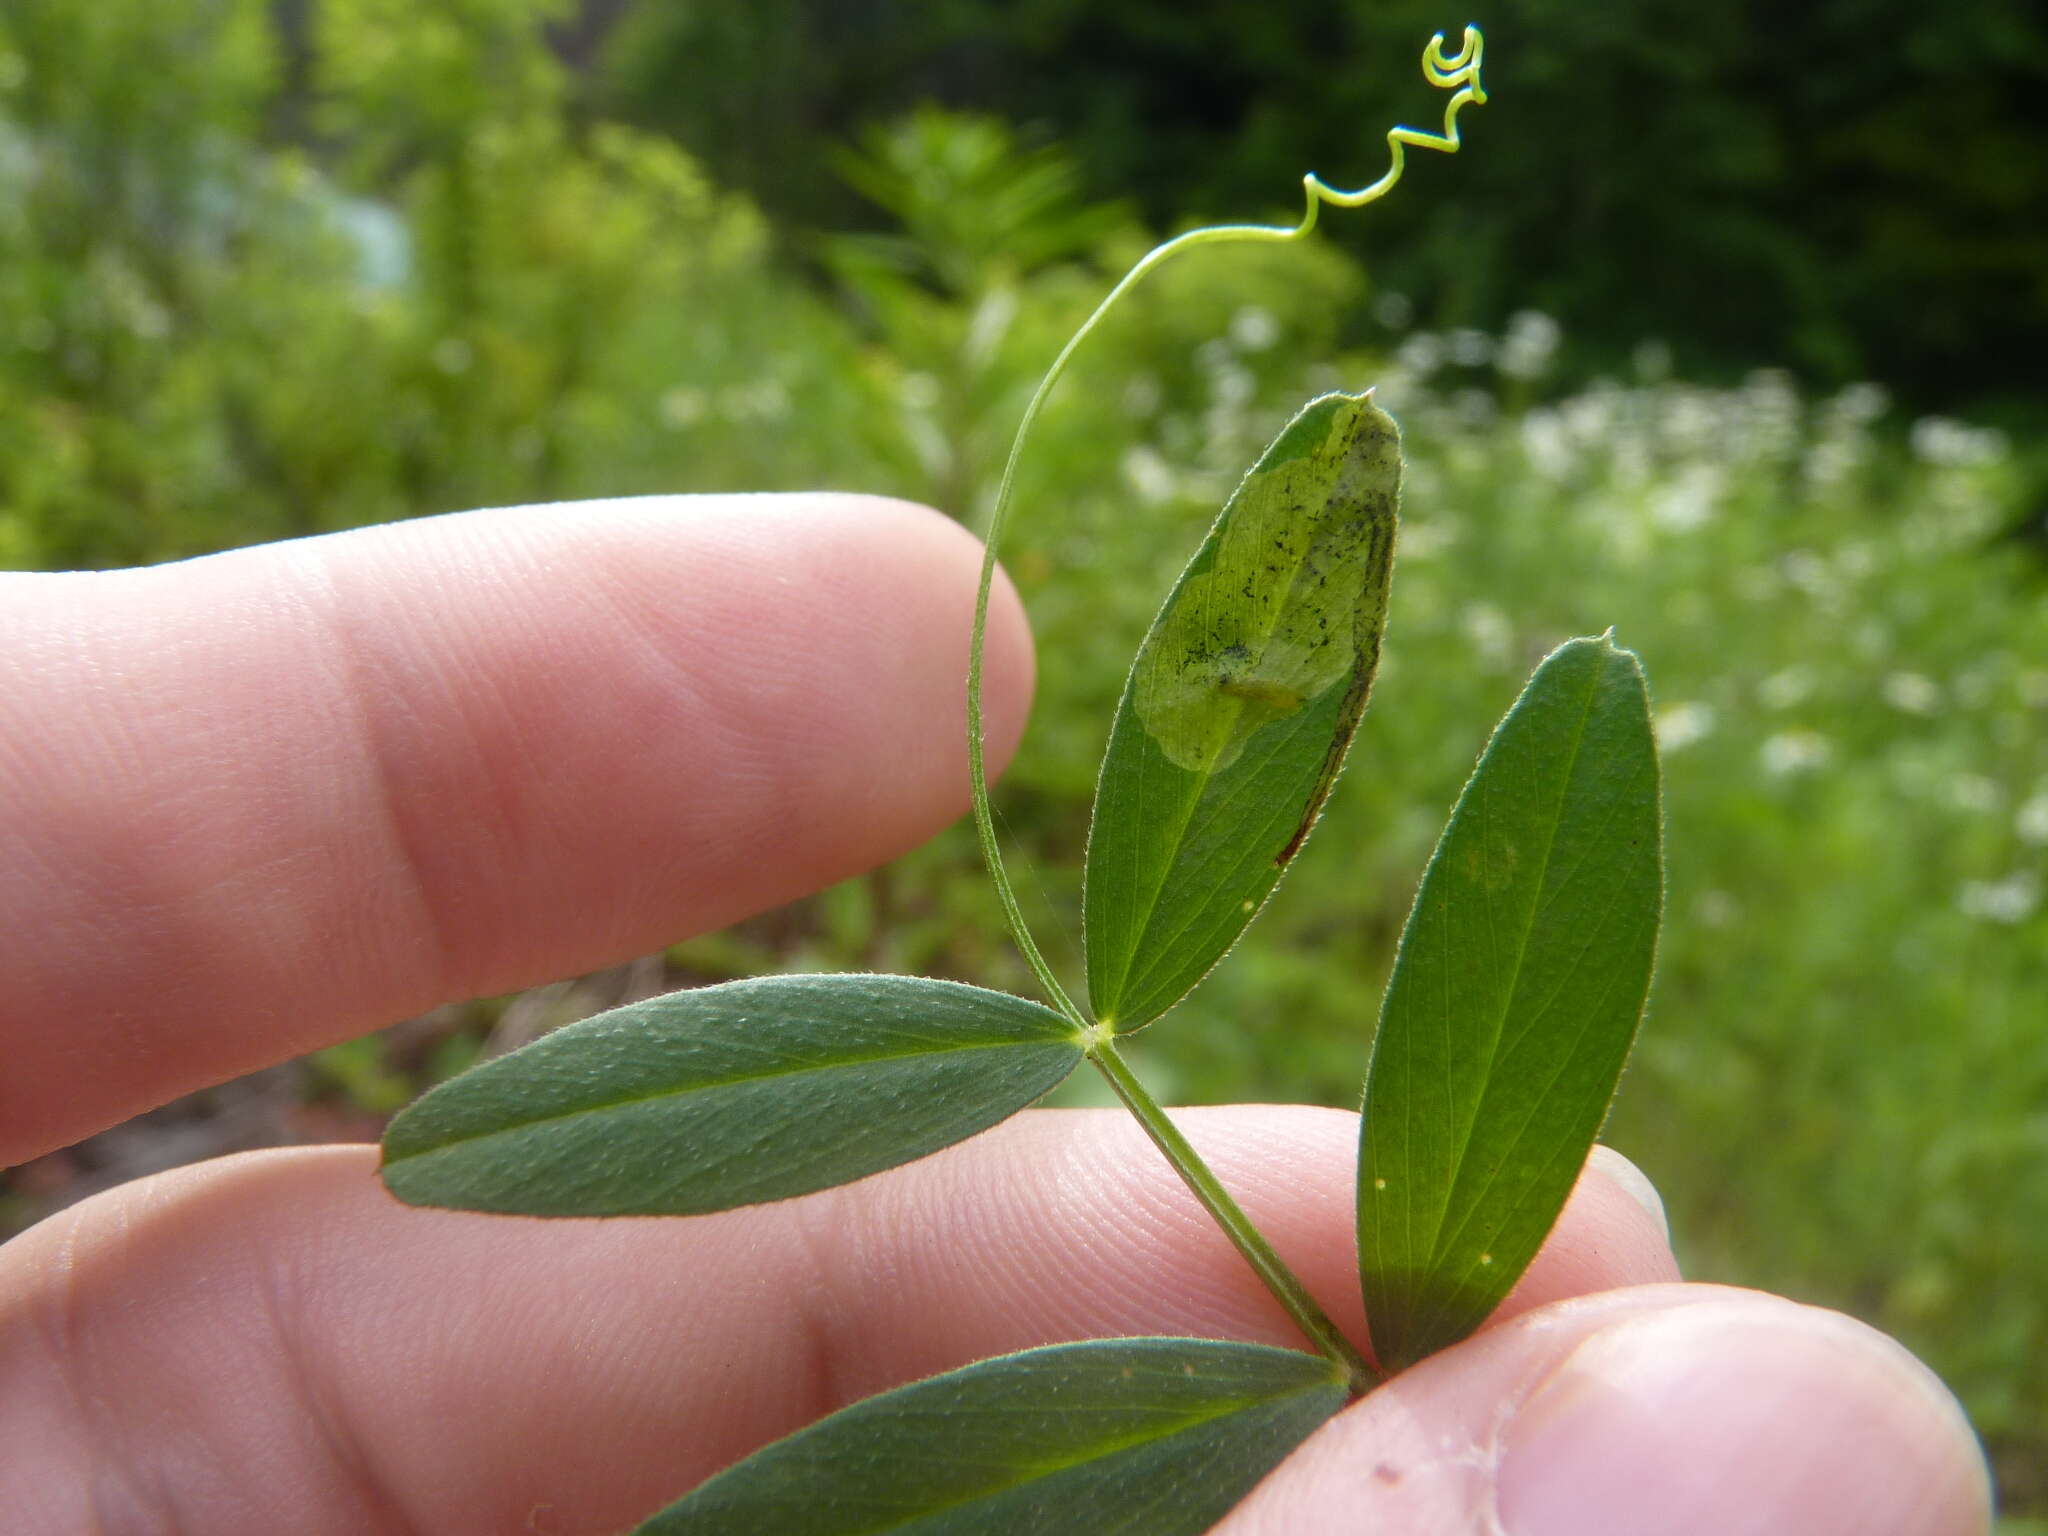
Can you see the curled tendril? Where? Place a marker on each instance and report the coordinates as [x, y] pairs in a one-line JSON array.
[[1458, 73], [1449, 72]]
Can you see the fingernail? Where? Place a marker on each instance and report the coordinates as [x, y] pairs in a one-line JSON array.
[[1745, 1417], [1634, 1183]]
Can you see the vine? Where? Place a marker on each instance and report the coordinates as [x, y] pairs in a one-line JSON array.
[[1458, 73]]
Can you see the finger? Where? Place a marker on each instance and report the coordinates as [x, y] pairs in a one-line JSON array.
[[258, 803], [1669, 1410], [395, 1369]]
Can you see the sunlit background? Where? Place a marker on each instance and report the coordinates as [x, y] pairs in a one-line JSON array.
[[1725, 329]]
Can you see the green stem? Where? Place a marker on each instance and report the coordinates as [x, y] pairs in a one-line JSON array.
[[1457, 72], [1453, 72], [1286, 1287]]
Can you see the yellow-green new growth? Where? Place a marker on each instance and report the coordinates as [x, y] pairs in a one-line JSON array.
[[1458, 73]]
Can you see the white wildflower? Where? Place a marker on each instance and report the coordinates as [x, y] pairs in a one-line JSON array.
[[1488, 629], [1793, 752], [1421, 354], [1253, 328], [683, 406], [1469, 348], [2011, 900], [1680, 725], [1956, 445], [1148, 474], [1687, 501], [1912, 694], [1529, 346], [1783, 690], [2030, 821], [1974, 793]]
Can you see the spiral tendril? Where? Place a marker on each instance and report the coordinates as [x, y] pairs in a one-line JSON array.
[[1458, 73]]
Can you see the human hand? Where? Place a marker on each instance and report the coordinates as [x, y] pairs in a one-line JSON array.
[[253, 805]]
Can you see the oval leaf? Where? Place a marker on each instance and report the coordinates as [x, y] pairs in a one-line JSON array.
[[729, 1095], [1520, 981], [1150, 1437], [1240, 707]]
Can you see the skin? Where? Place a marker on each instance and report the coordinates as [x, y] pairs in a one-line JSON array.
[[259, 803]]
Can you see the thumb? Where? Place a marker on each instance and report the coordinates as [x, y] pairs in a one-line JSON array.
[[1663, 1410]]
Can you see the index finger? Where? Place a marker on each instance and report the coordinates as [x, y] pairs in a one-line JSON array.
[[257, 803]]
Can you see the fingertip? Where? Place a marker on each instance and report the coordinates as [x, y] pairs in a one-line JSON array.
[[1741, 1412], [678, 711], [1610, 1234], [1666, 1410], [1011, 674], [273, 798], [1009, 660], [1633, 1182]]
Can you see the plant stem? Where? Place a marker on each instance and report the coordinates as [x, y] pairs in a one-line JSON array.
[[1286, 1287], [1459, 72]]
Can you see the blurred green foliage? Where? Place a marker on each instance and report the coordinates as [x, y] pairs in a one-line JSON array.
[[272, 270], [1849, 188], [457, 297]]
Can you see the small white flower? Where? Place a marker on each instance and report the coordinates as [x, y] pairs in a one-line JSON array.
[[1688, 500], [1860, 403], [683, 406], [2011, 900], [1421, 354], [1254, 329], [1148, 474], [1974, 793], [1956, 445], [1680, 725], [1791, 752], [2030, 822], [1393, 310], [1783, 690], [1490, 632], [1548, 443], [1717, 909], [1470, 348], [1912, 694], [1529, 345]]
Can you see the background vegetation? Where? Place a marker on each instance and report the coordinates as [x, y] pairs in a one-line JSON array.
[[268, 269], [1851, 187]]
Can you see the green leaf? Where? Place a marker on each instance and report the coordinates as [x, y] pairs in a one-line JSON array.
[[1239, 708], [729, 1095], [1516, 995], [1149, 1437]]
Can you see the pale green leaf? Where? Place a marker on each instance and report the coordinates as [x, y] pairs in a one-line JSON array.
[[1240, 707], [729, 1095], [1520, 981], [1121, 1437]]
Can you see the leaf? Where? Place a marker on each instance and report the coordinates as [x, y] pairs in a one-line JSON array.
[[1150, 1437], [728, 1095], [1520, 981], [1239, 708]]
